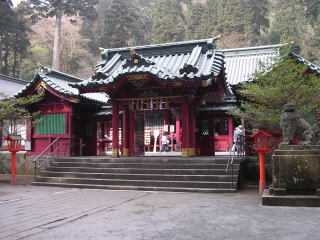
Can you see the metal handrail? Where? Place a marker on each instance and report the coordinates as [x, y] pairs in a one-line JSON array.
[[45, 150], [35, 165], [51, 154], [235, 146]]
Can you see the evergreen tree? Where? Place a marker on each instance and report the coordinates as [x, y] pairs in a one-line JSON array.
[[119, 23], [15, 109], [58, 8], [168, 24], [198, 19], [240, 22], [13, 39], [285, 81], [297, 20]]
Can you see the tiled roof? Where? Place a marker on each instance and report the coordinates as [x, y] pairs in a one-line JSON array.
[[182, 61], [59, 82], [12, 79], [10, 85], [241, 63], [311, 65]]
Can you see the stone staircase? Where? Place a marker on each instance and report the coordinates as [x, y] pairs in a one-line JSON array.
[[175, 174]]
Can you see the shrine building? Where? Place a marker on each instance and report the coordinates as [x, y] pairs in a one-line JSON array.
[[182, 88], [177, 88]]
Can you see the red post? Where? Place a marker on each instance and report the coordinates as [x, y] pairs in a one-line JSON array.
[[262, 181], [192, 136], [13, 167], [230, 131], [178, 141], [185, 128], [131, 133], [125, 131], [115, 130]]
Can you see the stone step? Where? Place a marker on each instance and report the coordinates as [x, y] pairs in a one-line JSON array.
[[148, 160], [137, 188], [297, 152], [149, 183], [141, 165], [142, 171], [297, 157], [300, 147], [162, 177]]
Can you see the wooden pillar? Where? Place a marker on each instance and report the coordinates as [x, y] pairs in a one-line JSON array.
[[125, 131], [185, 127], [192, 136], [178, 140], [115, 130], [131, 133], [230, 131]]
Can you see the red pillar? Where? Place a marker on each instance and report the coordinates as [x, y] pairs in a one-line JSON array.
[[131, 133], [13, 167], [192, 136], [262, 182], [230, 130], [115, 131], [178, 140], [185, 127], [125, 131]]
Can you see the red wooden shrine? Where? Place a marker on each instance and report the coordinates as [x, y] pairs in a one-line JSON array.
[[182, 82]]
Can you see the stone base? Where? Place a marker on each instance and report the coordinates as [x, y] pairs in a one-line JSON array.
[[296, 170], [188, 152], [115, 153], [290, 200]]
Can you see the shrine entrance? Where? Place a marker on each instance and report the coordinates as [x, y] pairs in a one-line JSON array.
[[206, 137], [145, 120]]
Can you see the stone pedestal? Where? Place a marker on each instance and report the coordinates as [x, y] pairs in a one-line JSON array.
[[296, 170], [295, 176]]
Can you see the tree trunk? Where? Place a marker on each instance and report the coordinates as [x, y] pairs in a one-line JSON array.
[[1, 64], [57, 40], [14, 66], [6, 60], [19, 66]]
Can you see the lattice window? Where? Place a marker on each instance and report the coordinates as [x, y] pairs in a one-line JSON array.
[[154, 121], [51, 124]]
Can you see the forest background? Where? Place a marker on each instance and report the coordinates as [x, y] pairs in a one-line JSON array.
[[119, 23]]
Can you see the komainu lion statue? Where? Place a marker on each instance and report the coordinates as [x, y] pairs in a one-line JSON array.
[[293, 125]]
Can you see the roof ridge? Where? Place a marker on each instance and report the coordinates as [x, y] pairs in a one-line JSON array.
[[263, 47], [46, 70], [13, 79], [208, 41], [311, 65]]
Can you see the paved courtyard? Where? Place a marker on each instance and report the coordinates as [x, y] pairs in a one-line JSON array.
[[29, 212]]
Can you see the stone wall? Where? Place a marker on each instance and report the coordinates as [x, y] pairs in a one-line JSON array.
[[5, 163]]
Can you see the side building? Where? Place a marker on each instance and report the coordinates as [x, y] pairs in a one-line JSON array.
[[64, 115]]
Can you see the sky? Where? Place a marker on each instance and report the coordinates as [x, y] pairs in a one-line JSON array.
[[16, 2]]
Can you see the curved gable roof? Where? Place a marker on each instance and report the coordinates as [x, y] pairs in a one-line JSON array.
[[181, 61], [59, 83]]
